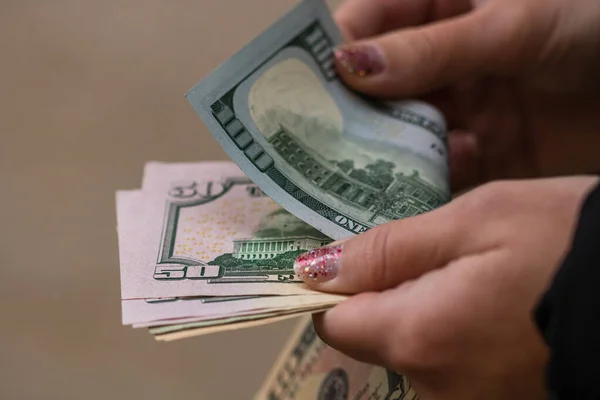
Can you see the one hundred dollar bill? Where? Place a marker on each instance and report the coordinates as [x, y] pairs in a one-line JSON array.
[[217, 235], [340, 162], [308, 369]]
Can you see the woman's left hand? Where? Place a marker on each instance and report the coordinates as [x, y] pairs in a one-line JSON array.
[[446, 297]]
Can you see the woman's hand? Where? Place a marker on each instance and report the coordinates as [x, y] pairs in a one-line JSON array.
[[446, 297], [517, 79]]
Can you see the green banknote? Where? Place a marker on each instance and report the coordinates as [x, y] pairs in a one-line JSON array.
[[338, 161]]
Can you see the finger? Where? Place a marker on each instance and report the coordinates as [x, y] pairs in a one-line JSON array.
[[385, 328], [364, 18], [392, 253], [456, 102], [355, 326], [409, 62], [360, 19], [464, 151], [464, 147], [407, 327]]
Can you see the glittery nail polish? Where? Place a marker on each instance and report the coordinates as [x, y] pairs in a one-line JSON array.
[[360, 60], [319, 265]]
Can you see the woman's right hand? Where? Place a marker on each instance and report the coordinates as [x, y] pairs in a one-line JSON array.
[[446, 297], [518, 80]]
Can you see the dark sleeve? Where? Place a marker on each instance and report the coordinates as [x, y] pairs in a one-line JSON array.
[[568, 315]]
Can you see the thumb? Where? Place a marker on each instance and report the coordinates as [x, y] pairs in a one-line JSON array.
[[389, 254], [495, 38]]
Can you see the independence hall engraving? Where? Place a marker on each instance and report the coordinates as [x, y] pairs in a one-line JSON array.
[[403, 196]]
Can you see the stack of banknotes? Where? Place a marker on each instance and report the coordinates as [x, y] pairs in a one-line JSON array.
[[209, 246], [202, 249]]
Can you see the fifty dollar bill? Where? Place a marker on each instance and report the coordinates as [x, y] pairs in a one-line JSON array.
[[338, 161], [205, 229]]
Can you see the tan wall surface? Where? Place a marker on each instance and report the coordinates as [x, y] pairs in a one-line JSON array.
[[89, 91]]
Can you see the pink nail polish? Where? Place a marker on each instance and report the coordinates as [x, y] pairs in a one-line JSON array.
[[360, 60], [319, 265]]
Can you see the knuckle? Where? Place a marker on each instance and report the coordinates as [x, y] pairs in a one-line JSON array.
[[514, 34], [377, 257], [426, 50], [414, 55], [489, 198]]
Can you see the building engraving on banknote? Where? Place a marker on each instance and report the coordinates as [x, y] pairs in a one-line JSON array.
[[374, 188], [265, 256]]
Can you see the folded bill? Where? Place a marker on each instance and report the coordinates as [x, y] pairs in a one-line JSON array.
[[340, 162], [149, 312]]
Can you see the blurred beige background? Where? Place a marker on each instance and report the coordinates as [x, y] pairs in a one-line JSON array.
[[90, 90]]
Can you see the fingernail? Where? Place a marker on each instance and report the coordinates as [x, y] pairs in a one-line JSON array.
[[361, 60], [319, 265]]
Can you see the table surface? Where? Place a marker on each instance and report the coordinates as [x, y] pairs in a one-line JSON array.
[[90, 91]]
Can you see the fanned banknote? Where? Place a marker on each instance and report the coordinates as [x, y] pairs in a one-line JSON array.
[[308, 369], [234, 324], [340, 162], [210, 218], [180, 310]]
